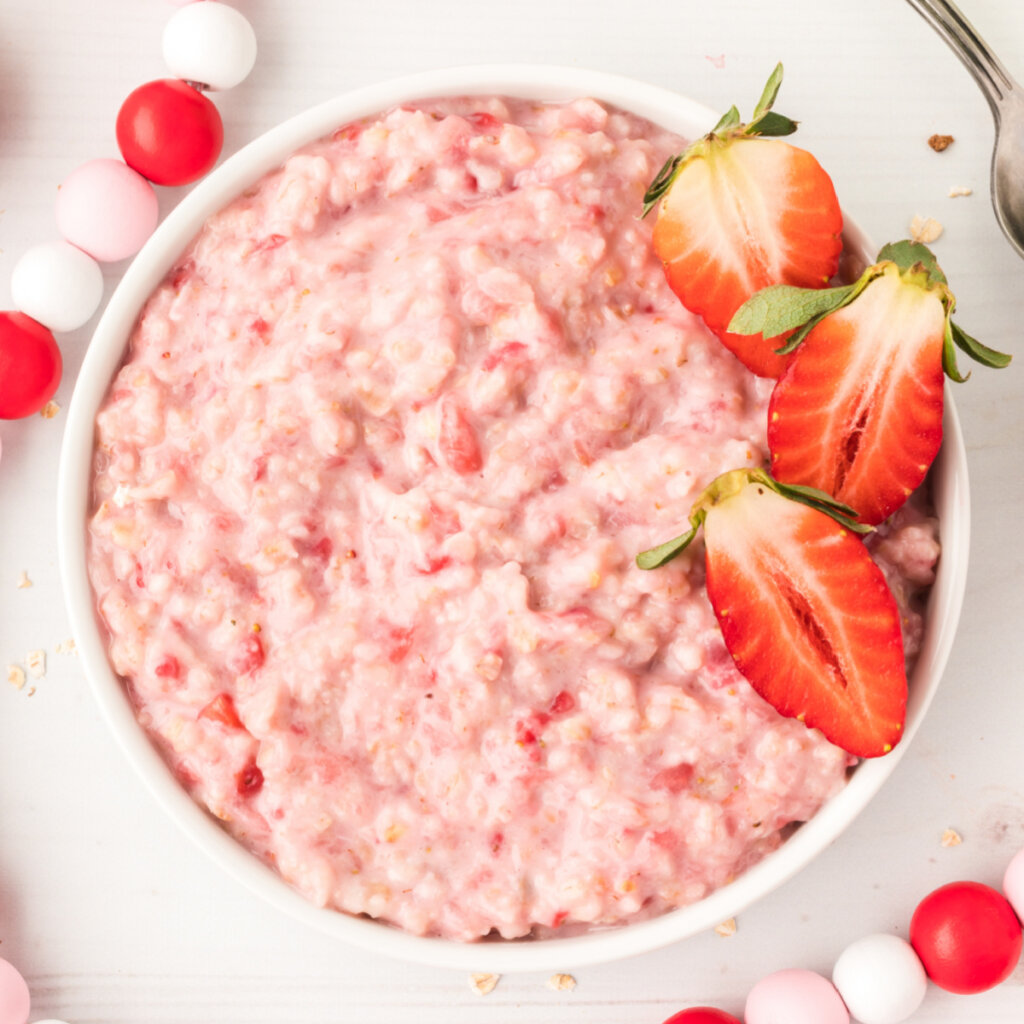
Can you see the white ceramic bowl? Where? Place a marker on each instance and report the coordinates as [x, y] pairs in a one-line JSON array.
[[103, 358]]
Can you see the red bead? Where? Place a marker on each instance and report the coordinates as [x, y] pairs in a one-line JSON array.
[[169, 132], [702, 1015], [30, 365], [967, 936]]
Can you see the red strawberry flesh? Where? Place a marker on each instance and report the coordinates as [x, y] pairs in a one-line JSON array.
[[858, 411], [805, 613], [744, 213]]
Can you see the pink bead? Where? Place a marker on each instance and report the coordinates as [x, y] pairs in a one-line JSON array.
[[14, 997], [107, 210], [795, 996], [1013, 885]]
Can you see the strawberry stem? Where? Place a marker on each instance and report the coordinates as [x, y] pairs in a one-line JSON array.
[[764, 122]]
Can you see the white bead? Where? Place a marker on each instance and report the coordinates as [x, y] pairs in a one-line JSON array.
[[58, 285], [881, 979], [210, 44]]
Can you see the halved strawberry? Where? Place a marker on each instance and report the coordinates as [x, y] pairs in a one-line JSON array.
[[805, 613], [858, 411], [741, 210]]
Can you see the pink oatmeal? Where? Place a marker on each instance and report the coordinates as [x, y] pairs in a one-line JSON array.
[[368, 492]]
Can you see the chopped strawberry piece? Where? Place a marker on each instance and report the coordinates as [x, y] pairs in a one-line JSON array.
[[274, 241], [484, 121], [459, 446], [434, 564], [509, 352], [249, 781], [563, 703], [168, 667], [674, 779], [222, 709], [349, 132], [399, 643]]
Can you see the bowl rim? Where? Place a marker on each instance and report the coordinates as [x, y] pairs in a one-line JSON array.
[[104, 354]]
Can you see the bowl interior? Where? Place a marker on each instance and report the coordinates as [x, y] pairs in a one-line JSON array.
[[105, 353]]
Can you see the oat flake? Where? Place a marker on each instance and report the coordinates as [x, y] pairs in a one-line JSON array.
[[925, 229], [561, 982], [49, 410], [23, 581], [16, 676], [960, 190], [726, 928], [35, 661], [951, 838], [482, 984]]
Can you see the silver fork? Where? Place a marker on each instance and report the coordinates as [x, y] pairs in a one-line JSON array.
[[1005, 97]]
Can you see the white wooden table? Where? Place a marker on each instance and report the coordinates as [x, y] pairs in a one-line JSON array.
[[111, 913]]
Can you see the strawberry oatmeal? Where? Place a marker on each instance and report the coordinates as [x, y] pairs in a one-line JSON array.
[[367, 495]]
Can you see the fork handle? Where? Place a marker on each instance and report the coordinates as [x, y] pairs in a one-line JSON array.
[[947, 19]]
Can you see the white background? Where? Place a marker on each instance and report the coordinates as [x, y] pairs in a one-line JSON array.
[[112, 915]]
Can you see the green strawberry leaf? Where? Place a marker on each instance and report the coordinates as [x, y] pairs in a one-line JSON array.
[[658, 556], [976, 350], [823, 502], [907, 254], [730, 119], [771, 92], [949, 367], [771, 124], [661, 183], [783, 307]]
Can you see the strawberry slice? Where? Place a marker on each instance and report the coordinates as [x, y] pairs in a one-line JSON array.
[[804, 611], [741, 210], [858, 411]]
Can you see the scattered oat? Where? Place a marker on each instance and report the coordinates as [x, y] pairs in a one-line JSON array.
[[925, 229], [951, 838], [66, 647], [482, 984], [940, 142], [726, 928], [16, 676], [960, 190], [49, 410], [35, 662], [23, 581], [561, 982]]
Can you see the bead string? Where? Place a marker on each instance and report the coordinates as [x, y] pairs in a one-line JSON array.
[[169, 133], [964, 937]]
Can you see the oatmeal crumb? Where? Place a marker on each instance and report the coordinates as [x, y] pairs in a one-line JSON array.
[[726, 928], [65, 647], [561, 982], [23, 581], [960, 190], [925, 229], [482, 984], [940, 142], [951, 838], [35, 662], [16, 676], [49, 410]]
